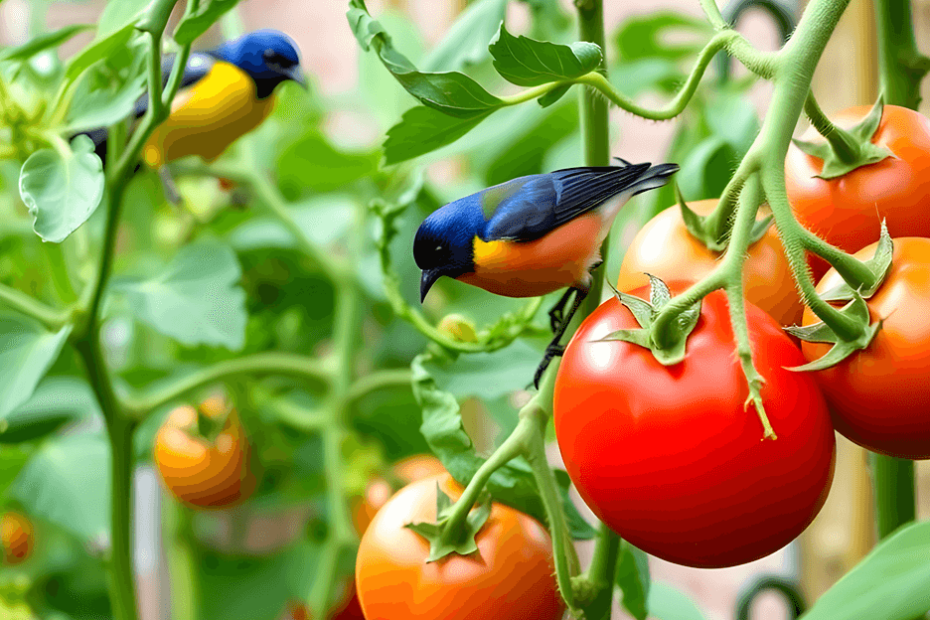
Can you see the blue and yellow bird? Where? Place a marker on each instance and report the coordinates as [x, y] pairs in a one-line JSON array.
[[532, 235], [225, 93]]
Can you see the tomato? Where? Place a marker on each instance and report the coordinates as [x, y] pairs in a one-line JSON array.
[[16, 537], [203, 473], [379, 490], [510, 576], [847, 211], [880, 396], [669, 458], [665, 248]]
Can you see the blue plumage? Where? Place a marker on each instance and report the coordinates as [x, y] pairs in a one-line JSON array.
[[268, 56]]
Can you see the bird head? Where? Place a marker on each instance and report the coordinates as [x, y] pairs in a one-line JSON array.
[[269, 57], [444, 243]]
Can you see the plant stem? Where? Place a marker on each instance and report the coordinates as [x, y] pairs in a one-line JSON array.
[[901, 69], [901, 66], [843, 144], [893, 481], [378, 380], [25, 304], [601, 572], [178, 535]]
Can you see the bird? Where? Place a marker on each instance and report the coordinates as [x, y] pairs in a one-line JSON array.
[[225, 93], [533, 235]]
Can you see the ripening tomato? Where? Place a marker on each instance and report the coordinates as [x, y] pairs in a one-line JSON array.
[[847, 211], [206, 473], [510, 576], [669, 457], [16, 537], [665, 249], [379, 490], [880, 397]]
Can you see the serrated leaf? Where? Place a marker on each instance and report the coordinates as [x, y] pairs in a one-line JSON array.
[[525, 62], [197, 23], [452, 93], [465, 42], [634, 580], [46, 41], [67, 482], [27, 351], [668, 603], [55, 402], [62, 190], [891, 583], [422, 130], [513, 484], [196, 299]]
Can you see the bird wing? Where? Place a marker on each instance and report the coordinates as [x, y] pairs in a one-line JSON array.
[[529, 207]]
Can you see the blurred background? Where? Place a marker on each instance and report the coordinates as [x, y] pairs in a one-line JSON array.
[[353, 102]]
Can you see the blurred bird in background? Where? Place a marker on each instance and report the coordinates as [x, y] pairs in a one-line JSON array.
[[225, 93], [532, 235]]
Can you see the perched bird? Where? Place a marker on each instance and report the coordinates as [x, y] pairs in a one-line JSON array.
[[225, 93], [532, 235]]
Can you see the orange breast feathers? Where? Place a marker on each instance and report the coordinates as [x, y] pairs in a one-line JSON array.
[[207, 118], [560, 259]]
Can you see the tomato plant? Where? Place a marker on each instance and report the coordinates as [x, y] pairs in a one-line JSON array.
[[666, 249], [648, 444], [509, 577], [876, 395]]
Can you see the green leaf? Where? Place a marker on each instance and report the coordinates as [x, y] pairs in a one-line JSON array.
[[451, 93], [108, 92], [553, 95], [667, 603], [891, 583], [422, 130], [465, 43], [62, 190], [487, 376], [526, 62], [644, 37], [117, 15], [197, 23], [56, 402], [314, 164], [67, 482], [101, 48], [27, 351], [512, 484], [46, 41], [12, 460], [196, 299], [634, 580]]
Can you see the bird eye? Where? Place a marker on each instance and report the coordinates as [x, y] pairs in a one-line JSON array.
[[439, 248]]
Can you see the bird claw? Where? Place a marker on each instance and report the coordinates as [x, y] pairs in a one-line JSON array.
[[552, 351]]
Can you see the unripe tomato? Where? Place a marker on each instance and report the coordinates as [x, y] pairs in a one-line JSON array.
[[847, 211], [201, 472], [510, 576], [880, 397], [16, 536], [671, 459], [665, 249]]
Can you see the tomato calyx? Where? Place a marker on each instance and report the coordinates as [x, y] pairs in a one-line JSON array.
[[668, 347], [446, 537], [212, 415], [879, 265], [701, 228], [845, 149], [857, 310]]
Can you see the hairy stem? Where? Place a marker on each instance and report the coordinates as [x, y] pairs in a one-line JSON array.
[[843, 144]]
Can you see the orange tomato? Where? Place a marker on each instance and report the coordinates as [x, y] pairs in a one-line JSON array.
[[379, 490], [666, 249], [16, 536], [879, 396], [510, 576], [200, 472]]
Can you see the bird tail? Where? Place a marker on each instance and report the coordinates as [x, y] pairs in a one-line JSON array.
[[656, 176]]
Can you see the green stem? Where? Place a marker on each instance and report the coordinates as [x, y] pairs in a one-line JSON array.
[[177, 532], [893, 483], [601, 572], [718, 222], [25, 304], [378, 380], [843, 145], [901, 70], [270, 363], [901, 65]]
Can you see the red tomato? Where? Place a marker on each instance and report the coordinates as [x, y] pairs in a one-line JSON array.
[[205, 474], [16, 537], [880, 397], [665, 248], [847, 211], [670, 459], [510, 576]]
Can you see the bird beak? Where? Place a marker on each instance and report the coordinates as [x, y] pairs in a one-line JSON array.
[[294, 73], [427, 280]]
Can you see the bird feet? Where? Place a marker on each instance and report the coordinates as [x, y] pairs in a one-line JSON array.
[[552, 351]]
